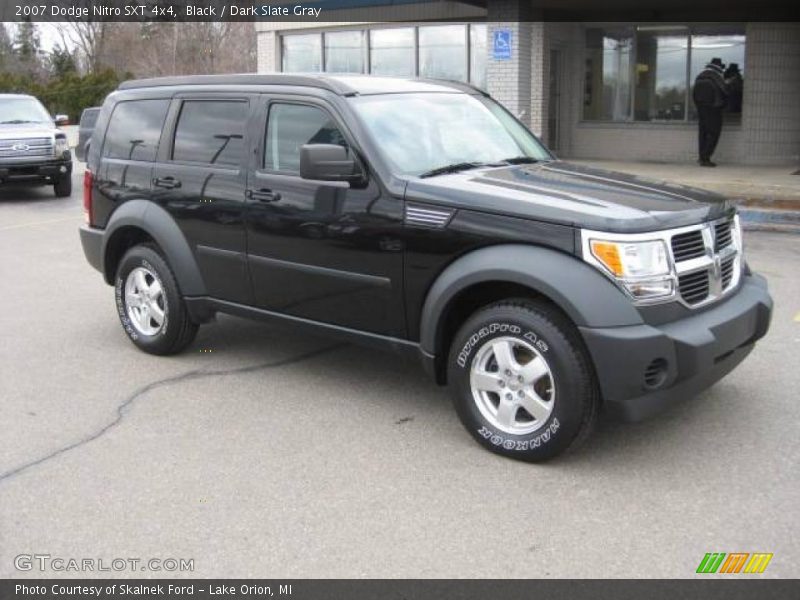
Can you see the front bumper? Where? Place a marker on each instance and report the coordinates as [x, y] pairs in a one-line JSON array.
[[644, 368], [54, 169]]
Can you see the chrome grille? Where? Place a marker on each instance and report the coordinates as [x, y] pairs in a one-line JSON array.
[[707, 261], [727, 271], [694, 287], [722, 235], [688, 245], [26, 148]]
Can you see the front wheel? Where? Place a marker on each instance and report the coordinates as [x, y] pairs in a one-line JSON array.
[[522, 383], [149, 303], [63, 187]]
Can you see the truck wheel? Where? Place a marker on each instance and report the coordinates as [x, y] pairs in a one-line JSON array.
[[63, 187], [522, 383], [149, 303]]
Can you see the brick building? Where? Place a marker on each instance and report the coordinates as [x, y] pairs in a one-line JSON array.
[[616, 91]]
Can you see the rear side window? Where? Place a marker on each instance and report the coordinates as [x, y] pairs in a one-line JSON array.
[[210, 132], [89, 117], [135, 129], [289, 127]]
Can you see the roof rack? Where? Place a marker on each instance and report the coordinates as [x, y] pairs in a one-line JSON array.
[[315, 81]]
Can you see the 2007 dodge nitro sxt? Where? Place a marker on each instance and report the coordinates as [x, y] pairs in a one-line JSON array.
[[423, 217]]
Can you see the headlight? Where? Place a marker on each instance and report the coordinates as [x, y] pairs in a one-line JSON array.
[[62, 145], [641, 267]]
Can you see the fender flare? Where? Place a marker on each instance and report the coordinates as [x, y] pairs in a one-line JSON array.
[[587, 297], [158, 224]]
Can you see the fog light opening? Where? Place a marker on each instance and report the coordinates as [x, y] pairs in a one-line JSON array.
[[656, 373]]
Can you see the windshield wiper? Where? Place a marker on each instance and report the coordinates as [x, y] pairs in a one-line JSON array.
[[454, 168], [520, 160], [17, 122]]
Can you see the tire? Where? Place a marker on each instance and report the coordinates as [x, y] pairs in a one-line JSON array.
[[551, 409], [63, 187], [149, 303]]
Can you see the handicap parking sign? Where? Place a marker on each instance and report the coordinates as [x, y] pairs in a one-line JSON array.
[[501, 46]]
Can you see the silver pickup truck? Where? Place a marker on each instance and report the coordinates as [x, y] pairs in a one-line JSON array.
[[32, 148]]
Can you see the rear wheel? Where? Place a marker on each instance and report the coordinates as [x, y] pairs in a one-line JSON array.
[[149, 303], [522, 383], [63, 187]]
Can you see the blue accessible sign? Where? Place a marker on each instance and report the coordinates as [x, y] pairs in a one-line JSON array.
[[501, 44]]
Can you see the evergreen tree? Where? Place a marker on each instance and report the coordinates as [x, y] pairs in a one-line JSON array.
[[6, 49], [62, 62], [26, 43]]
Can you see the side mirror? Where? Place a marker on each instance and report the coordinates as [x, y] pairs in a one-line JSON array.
[[328, 162], [61, 120]]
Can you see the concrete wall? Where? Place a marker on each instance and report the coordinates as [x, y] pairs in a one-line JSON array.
[[771, 115]]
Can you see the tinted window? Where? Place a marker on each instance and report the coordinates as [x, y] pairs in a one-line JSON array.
[[135, 129], [289, 127], [89, 117], [210, 132]]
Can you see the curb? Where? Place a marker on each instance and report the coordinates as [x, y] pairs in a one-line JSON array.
[[770, 219]]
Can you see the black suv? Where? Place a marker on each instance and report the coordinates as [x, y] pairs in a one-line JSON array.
[[418, 216]]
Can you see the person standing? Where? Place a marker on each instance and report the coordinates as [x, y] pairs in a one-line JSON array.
[[710, 94], [735, 86]]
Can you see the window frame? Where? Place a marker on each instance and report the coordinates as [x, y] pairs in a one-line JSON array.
[[366, 45], [270, 101], [177, 110], [159, 142], [691, 29]]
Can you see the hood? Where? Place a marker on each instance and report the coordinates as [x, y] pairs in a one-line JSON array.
[[25, 130], [560, 192]]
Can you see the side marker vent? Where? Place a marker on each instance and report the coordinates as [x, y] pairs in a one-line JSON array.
[[423, 216]]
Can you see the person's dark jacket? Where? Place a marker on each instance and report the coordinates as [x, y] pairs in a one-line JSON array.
[[710, 89]]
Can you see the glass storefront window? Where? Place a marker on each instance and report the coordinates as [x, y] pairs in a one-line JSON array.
[[729, 46], [302, 53], [660, 74], [647, 73], [478, 51], [392, 52], [344, 52], [443, 52], [607, 87]]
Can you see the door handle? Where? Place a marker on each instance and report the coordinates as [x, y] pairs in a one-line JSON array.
[[263, 195], [167, 182]]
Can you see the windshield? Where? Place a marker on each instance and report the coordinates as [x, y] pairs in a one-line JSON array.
[[22, 110], [420, 133]]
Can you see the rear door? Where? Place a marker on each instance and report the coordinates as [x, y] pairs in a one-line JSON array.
[[200, 179]]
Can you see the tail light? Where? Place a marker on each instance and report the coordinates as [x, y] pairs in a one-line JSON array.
[[88, 182]]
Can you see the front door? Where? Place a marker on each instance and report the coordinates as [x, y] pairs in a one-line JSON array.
[[200, 179], [325, 251]]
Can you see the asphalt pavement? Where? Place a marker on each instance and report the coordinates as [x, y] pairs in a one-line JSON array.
[[264, 452]]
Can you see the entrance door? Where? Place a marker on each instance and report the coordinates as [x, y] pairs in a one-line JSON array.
[[554, 101]]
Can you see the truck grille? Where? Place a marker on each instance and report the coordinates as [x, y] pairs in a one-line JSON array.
[[722, 235], [26, 148], [707, 262], [688, 245], [694, 286]]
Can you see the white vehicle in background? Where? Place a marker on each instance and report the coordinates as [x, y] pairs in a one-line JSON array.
[[32, 147]]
